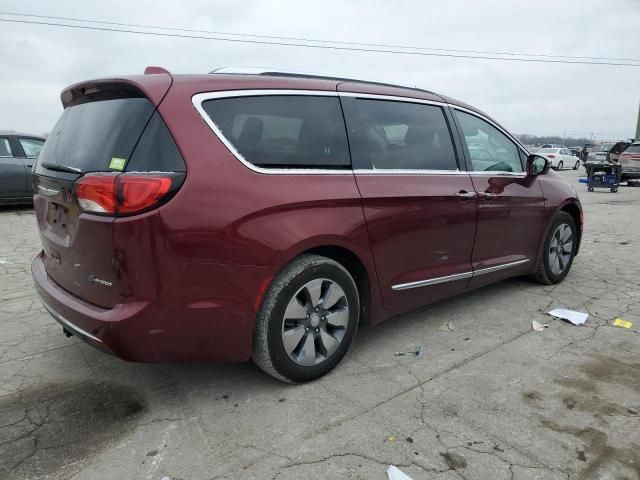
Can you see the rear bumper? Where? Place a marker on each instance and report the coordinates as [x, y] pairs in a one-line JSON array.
[[77, 331], [102, 328], [632, 173], [166, 329]]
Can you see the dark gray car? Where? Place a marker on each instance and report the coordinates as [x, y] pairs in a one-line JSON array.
[[18, 152]]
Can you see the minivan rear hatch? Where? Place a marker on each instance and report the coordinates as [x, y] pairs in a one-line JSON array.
[[105, 131]]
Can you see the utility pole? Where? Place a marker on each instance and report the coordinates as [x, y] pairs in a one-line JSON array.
[[638, 125]]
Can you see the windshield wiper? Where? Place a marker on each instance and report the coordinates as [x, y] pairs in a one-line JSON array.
[[60, 168]]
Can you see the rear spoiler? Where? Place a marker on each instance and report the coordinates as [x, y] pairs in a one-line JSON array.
[[153, 87]]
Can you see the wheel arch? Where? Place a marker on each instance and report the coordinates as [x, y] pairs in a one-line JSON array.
[[575, 212], [356, 268], [361, 269]]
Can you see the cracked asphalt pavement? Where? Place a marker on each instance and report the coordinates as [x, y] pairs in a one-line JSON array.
[[490, 400]]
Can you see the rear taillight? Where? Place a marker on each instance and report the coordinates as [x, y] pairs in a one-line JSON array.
[[97, 193], [140, 193], [551, 156], [125, 194]]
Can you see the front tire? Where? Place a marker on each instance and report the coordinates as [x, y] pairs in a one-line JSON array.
[[560, 165], [307, 321], [560, 247]]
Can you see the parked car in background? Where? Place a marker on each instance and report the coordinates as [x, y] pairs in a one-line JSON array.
[[17, 154], [607, 152], [599, 153], [576, 151], [630, 162], [560, 158], [551, 145], [225, 217]]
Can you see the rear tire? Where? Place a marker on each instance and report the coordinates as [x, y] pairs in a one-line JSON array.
[[559, 250], [577, 165], [307, 321]]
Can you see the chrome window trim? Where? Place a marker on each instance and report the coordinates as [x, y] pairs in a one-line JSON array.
[[199, 98], [502, 130], [70, 325], [375, 96], [457, 276], [392, 98], [391, 171], [499, 173], [493, 123]]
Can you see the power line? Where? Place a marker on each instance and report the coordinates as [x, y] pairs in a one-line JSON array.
[[325, 47], [316, 40]]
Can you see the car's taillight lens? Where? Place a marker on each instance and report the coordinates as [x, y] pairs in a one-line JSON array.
[[96, 194], [140, 193], [551, 156], [123, 194]]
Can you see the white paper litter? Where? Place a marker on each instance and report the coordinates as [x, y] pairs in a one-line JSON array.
[[577, 318], [395, 473], [4, 262], [538, 327]]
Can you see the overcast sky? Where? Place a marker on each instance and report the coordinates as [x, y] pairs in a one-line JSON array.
[[37, 62]]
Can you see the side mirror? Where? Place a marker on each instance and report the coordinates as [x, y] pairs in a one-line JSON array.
[[537, 165]]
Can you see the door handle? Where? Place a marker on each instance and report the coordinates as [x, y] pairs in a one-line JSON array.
[[489, 195], [464, 195]]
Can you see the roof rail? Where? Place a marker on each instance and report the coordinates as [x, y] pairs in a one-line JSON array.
[[291, 74]]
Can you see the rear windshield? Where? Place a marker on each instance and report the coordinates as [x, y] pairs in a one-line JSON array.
[[605, 147], [633, 149], [548, 150], [283, 131], [97, 136]]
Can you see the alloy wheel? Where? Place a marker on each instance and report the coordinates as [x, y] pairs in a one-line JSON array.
[[315, 322], [560, 249]]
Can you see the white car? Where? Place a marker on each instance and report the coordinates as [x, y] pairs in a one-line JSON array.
[[560, 158]]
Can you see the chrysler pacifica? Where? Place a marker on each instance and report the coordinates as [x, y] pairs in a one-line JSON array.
[[267, 216]]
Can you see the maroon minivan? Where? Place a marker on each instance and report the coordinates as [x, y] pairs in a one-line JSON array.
[[232, 216]]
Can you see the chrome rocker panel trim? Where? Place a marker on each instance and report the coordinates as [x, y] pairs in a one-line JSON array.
[[457, 276]]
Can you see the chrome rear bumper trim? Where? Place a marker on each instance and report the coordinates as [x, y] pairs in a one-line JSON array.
[[69, 325]]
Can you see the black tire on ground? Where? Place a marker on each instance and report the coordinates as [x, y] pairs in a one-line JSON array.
[[577, 165], [268, 345], [560, 165], [543, 273]]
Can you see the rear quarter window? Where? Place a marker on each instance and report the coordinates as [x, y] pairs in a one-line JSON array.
[[283, 131], [5, 148], [31, 147]]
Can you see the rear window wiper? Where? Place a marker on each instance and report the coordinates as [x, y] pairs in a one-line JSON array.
[[59, 168]]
